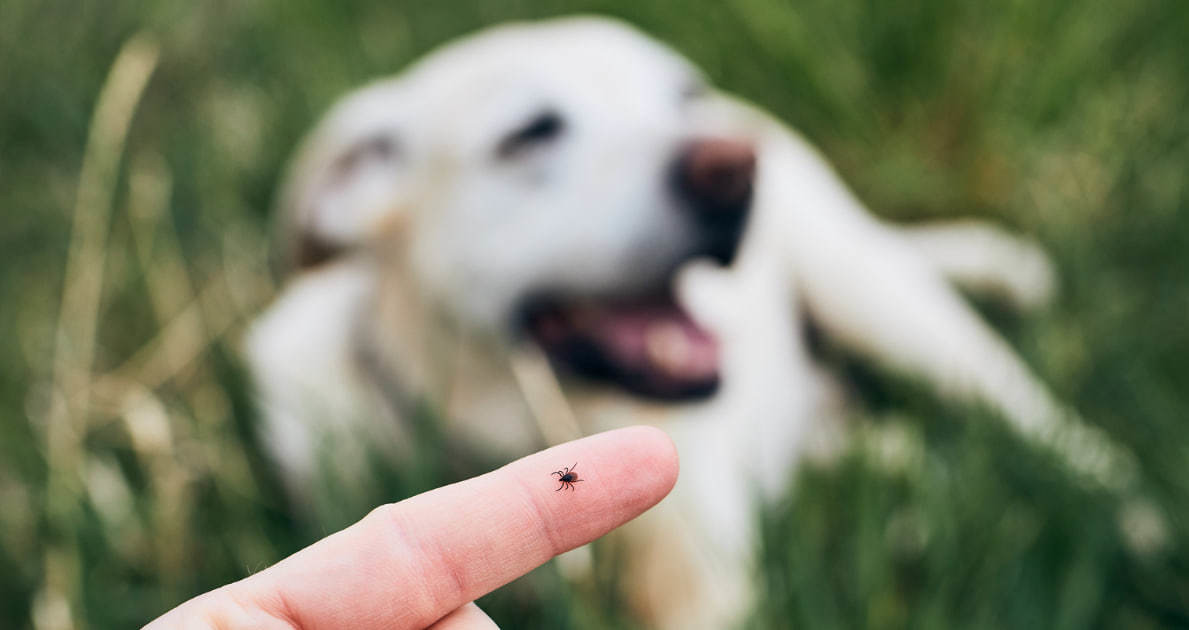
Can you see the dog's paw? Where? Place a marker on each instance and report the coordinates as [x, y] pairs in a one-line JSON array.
[[988, 261]]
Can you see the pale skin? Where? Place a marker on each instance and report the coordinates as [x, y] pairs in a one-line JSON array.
[[422, 562]]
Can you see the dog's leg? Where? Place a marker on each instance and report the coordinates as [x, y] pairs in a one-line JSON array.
[[986, 260], [692, 555], [870, 289]]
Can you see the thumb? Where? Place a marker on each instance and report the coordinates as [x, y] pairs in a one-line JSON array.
[[467, 617]]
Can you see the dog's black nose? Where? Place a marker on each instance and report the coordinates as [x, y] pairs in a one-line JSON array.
[[715, 175]]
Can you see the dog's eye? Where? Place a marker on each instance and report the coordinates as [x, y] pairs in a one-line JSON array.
[[541, 129]]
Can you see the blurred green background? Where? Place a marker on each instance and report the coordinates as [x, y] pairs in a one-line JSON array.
[[129, 478]]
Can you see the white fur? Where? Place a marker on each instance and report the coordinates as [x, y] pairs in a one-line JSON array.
[[444, 239]]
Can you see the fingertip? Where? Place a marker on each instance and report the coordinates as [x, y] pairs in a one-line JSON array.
[[665, 456], [654, 450]]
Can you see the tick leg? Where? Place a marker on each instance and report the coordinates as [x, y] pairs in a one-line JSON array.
[[574, 466], [560, 487]]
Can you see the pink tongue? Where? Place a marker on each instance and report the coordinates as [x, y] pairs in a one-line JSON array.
[[657, 338]]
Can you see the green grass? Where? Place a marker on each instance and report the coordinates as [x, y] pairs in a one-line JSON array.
[[1064, 119]]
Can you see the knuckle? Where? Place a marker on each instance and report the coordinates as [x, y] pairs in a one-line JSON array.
[[542, 516], [420, 563]]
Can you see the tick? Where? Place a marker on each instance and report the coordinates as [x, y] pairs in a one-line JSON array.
[[567, 477]]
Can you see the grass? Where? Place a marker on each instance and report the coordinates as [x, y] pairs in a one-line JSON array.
[[1064, 119]]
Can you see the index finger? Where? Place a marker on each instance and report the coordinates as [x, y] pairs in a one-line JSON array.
[[407, 564]]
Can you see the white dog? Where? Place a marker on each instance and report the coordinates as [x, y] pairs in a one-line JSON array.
[[561, 198]]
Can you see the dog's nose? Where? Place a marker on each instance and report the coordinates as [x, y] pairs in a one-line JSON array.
[[716, 174]]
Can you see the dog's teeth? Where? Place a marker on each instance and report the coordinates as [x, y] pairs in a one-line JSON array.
[[667, 346]]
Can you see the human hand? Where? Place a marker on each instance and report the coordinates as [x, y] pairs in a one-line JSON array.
[[422, 562]]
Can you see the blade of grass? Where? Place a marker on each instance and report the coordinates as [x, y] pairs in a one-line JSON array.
[[77, 320]]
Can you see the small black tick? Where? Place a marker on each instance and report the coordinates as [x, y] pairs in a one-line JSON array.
[[567, 477]]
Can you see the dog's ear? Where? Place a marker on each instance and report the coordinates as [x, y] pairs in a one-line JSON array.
[[343, 188]]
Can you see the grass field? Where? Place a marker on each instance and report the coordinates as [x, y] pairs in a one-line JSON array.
[[138, 256]]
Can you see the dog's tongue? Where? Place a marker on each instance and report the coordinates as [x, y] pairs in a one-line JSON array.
[[656, 337], [653, 347]]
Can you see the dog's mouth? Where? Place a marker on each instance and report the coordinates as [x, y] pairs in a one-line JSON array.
[[649, 346]]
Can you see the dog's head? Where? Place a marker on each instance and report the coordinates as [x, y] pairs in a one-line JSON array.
[[544, 180]]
